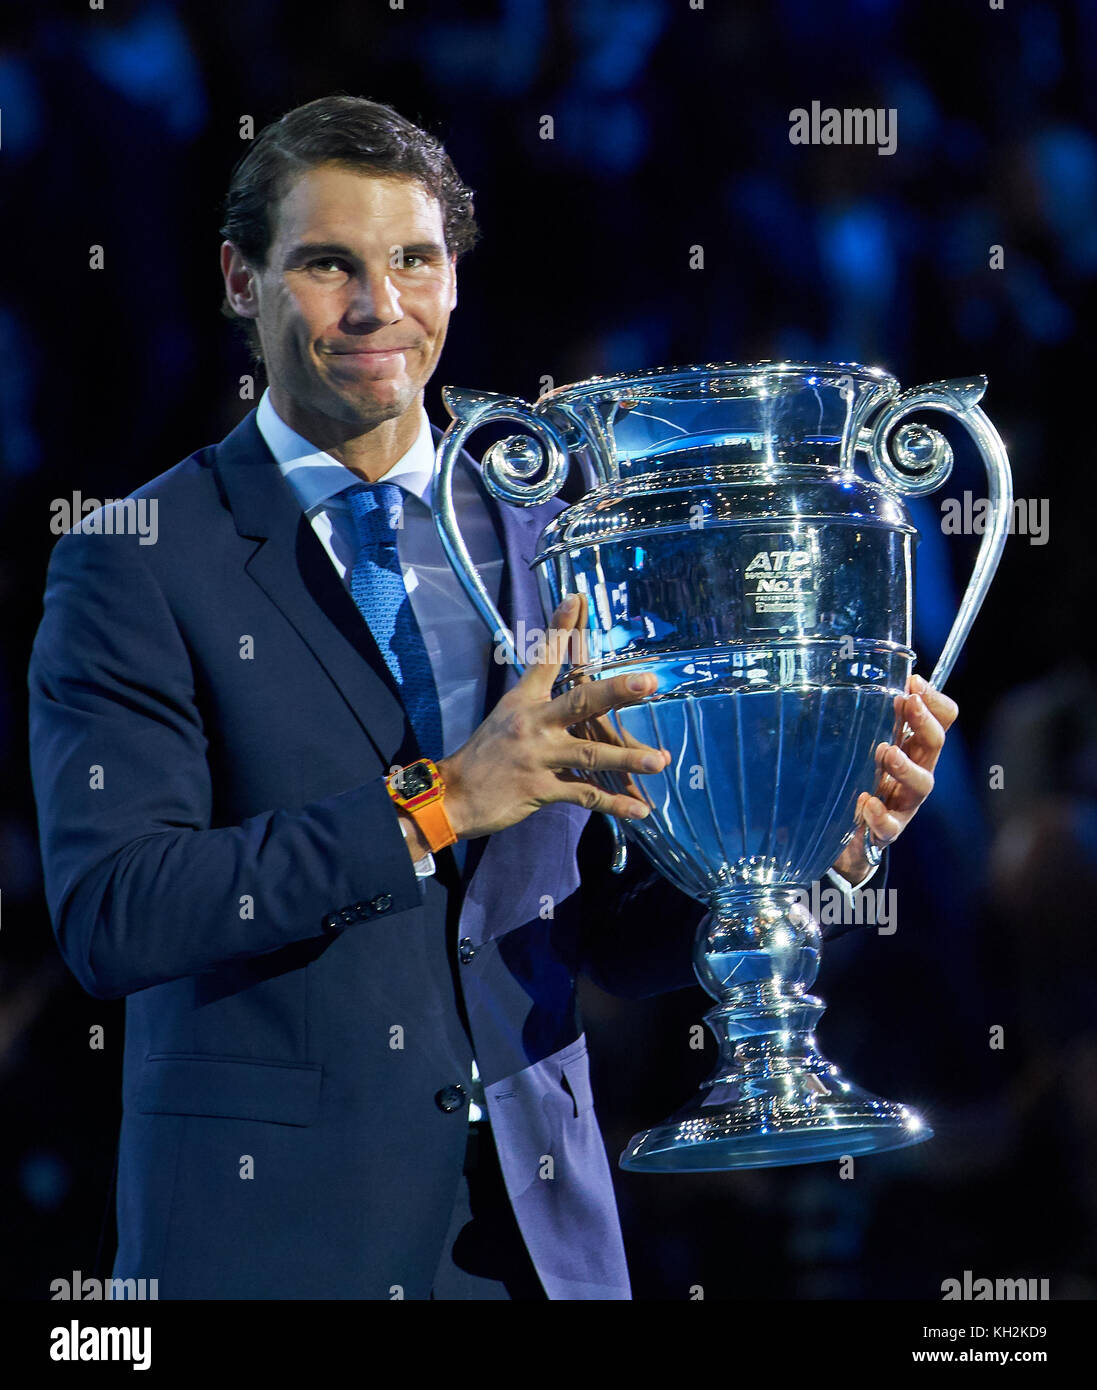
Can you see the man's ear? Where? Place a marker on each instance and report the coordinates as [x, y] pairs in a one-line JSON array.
[[453, 301], [240, 288]]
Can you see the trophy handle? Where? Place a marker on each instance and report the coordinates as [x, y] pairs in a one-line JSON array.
[[510, 469], [919, 459]]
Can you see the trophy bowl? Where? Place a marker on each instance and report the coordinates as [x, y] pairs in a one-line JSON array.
[[727, 545]]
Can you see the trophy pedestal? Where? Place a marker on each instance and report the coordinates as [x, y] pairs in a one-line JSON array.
[[771, 1109], [773, 1099]]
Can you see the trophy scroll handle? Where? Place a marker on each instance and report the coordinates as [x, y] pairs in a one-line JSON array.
[[918, 460], [510, 471]]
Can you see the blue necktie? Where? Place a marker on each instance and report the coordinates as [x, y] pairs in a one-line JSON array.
[[377, 587]]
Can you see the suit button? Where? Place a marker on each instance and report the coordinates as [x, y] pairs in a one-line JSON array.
[[450, 1098], [382, 903], [465, 950]]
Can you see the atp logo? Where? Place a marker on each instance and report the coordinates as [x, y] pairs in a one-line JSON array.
[[779, 581], [779, 571], [776, 561]]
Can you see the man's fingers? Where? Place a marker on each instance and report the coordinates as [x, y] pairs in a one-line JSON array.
[[602, 730], [595, 799], [884, 825], [929, 714], [905, 768], [540, 675], [595, 698], [943, 709], [587, 755], [907, 783], [927, 736], [884, 783]]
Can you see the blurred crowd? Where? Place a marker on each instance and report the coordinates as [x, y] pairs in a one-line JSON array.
[[669, 132]]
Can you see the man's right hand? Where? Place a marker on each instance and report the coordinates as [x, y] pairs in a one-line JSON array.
[[523, 756]]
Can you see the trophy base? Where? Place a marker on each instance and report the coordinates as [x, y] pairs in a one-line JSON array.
[[719, 1133], [773, 1098]]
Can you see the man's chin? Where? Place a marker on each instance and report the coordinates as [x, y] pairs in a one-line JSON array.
[[372, 407]]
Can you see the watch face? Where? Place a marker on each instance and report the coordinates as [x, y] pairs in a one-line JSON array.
[[414, 780]]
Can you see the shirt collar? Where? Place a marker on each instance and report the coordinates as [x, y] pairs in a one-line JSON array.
[[316, 477]]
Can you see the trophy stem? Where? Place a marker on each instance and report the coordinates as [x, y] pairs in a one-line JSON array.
[[773, 1098]]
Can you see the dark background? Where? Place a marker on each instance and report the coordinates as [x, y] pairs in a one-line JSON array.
[[119, 129]]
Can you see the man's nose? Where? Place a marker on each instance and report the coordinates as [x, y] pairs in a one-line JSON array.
[[376, 300]]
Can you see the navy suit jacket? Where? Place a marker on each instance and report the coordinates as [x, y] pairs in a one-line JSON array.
[[211, 723]]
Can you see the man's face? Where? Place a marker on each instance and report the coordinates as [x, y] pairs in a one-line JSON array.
[[355, 300]]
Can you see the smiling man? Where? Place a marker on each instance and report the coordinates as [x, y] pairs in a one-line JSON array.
[[292, 810], [354, 301]]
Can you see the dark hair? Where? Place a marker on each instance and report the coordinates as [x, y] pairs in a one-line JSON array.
[[355, 134]]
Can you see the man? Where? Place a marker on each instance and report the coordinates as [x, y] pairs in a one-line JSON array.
[[352, 1062]]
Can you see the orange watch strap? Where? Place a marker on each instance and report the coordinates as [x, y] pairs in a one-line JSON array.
[[435, 824]]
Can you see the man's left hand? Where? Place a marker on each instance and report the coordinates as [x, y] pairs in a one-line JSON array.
[[905, 774]]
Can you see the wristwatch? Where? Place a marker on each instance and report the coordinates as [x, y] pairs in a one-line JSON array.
[[418, 789]]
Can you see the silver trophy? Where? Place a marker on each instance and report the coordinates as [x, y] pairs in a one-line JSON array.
[[727, 544]]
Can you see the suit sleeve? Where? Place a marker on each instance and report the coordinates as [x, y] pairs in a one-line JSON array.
[[875, 883], [141, 889]]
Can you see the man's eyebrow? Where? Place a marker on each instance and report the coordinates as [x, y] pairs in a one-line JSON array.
[[314, 250], [423, 248]]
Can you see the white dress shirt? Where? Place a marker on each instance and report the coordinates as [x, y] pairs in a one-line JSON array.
[[458, 643]]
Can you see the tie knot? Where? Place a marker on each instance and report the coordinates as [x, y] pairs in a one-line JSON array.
[[377, 509]]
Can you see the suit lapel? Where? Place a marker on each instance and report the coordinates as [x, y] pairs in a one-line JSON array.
[[291, 567]]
